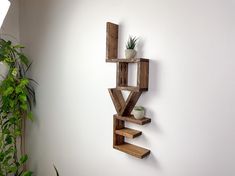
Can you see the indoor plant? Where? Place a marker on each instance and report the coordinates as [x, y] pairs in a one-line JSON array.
[[56, 170], [17, 96], [138, 112], [130, 51]]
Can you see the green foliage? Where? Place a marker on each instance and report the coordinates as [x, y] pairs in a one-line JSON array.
[[56, 170], [17, 96], [139, 108], [131, 43]]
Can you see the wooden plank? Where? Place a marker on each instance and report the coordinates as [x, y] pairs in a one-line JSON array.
[[132, 60], [143, 75], [133, 150], [131, 119], [129, 133], [131, 88], [111, 40], [118, 99], [130, 103], [122, 74], [117, 125]]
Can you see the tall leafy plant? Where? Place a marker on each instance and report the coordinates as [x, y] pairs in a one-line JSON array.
[[17, 96]]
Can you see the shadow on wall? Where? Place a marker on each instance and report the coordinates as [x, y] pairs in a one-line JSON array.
[[154, 127], [150, 161]]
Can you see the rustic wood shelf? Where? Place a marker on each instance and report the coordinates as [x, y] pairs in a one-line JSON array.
[[122, 106], [133, 150], [133, 60], [131, 119], [129, 133], [132, 88]]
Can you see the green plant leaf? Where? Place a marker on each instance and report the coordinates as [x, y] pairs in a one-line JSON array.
[[18, 46], [24, 82], [56, 170], [12, 169], [131, 42], [19, 89], [24, 59], [27, 173], [16, 99], [8, 91], [30, 116], [22, 98], [23, 159], [24, 107]]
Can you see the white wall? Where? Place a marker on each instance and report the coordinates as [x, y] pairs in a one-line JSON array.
[[191, 97], [10, 27], [10, 30]]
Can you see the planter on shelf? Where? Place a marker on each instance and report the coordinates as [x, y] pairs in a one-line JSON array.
[[138, 112], [130, 51]]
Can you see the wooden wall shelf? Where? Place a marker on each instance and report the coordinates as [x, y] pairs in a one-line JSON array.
[[124, 108], [132, 88], [133, 150], [131, 119], [133, 60], [129, 133]]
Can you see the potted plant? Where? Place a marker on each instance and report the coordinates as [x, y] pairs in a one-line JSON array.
[[17, 96], [130, 51], [138, 112]]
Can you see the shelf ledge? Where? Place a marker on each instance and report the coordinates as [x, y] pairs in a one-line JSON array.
[[129, 133], [133, 60], [133, 150], [132, 88], [131, 119]]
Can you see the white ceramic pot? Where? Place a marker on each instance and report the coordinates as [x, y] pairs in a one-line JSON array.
[[130, 53], [3, 70], [138, 114]]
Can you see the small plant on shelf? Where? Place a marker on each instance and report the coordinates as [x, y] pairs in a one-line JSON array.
[[130, 51], [138, 112]]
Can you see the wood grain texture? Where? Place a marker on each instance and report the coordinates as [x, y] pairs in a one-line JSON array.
[[129, 133], [124, 108], [122, 74], [131, 119], [132, 60], [131, 88], [111, 40], [143, 75], [118, 99], [117, 125], [130, 103], [133, 150]]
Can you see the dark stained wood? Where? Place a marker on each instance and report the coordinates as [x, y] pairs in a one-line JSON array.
[[129, 133], [131, 119], [111, 40], [117, 125], [118, 99], [130, 103], [133, 150], [132, 60], [122, 74], [143, 75]]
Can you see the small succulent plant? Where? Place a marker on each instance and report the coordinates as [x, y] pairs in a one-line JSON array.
[[139, 108], [131, 42]]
